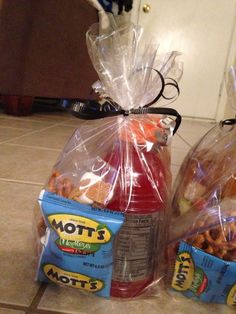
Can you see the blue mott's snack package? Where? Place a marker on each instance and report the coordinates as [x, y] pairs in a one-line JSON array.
[[77, 246], [204, 277]]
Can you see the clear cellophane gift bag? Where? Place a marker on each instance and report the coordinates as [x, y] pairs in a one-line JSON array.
[[104, 214], [202, 248]]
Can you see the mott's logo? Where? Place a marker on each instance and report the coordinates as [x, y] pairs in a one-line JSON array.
[[200, 282], [231, 299], [80, 229], [75, 280], [184, 272]]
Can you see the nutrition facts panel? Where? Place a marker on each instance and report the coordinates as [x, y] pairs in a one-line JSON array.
[[134, 248]]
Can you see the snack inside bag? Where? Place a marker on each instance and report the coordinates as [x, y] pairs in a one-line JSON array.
[[77, 231], [105, 208], [202, 248]]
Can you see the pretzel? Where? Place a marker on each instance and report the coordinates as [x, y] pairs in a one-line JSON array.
[[41, 227], [202, 179], [52, 181], [59, 185], [219, 241], [90, 190]]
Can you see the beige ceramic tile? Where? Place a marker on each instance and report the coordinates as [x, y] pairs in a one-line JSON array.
[[54, 116], [21, 123], [195, 124], [7, 133], [73, 122], [26, 163], [174, 171], [42, 114], [178, 141], [9, 311], [72, 301], [192, 130], [50, 117], [182, 305], [178, 154], [54, 137], [17, 269]]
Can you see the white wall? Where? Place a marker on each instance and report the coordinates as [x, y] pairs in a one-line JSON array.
[[203, 31]]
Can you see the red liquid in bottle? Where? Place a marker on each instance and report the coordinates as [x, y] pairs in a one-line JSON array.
[[140, 192]]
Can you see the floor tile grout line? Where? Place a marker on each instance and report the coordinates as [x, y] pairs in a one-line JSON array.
[[37, 298], [40, 311], [14, 128], [33, 132], [27, 129], [181, 146], [21, 181], [33, 308], [34, 147], [184, 140], [49, 122], [28, 310], [33, 118], [70, 125], [13, 306], [20, 118]]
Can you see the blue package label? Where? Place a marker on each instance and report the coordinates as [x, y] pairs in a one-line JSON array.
[[204, 277], [78, 245]]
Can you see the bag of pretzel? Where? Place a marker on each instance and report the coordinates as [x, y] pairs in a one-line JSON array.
[[202, 248], [105, 208]]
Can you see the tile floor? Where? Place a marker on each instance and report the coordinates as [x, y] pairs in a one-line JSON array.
[[29, 146]]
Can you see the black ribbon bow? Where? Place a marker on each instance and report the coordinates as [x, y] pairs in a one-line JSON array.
[[92, 109]]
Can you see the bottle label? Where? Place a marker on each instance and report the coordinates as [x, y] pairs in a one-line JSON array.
[[134, 248]]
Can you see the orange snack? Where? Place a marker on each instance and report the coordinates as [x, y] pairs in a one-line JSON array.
[[141, 131], [59, 185]]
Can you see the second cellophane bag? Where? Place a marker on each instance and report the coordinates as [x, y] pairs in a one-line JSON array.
[[202, 245]]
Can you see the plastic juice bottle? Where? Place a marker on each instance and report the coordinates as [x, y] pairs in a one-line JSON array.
[[140, 192]]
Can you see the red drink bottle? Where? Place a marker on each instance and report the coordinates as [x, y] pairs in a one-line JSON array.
[[140, 192]]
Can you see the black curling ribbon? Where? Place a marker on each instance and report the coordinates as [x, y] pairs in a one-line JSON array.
[[91, 109], [228, 122]]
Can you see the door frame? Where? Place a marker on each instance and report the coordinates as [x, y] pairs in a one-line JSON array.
[[223, 109]]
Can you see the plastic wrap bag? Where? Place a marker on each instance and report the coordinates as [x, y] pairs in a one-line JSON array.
[[202, 249], [105, 207]]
